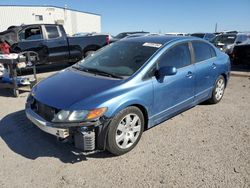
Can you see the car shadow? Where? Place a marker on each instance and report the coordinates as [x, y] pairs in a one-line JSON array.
[[10, 93], [23, 138]]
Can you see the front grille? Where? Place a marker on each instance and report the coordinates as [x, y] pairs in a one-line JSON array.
[[43, 110]]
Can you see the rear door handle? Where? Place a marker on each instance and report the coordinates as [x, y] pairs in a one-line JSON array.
[[214, 66], [189, 74]]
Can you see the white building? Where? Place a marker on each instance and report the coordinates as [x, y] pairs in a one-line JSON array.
[[73, 21]]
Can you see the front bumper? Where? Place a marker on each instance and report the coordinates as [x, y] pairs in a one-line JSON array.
[[88, 136], [45, 125]]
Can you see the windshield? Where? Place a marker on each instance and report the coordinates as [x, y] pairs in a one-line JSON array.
[[225, 39], [200, 35], [122, 58]]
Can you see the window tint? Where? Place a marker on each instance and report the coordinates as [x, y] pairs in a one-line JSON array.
[[52, 31], [203, 51], [178, 56], [32, 33]]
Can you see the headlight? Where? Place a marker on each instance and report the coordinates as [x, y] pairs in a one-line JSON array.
[[61, 116], [78, 115]]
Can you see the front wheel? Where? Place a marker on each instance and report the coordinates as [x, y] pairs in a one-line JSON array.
[[218, 90], [125, 130]]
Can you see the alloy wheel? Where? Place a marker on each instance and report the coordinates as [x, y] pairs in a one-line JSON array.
[[128, 131]]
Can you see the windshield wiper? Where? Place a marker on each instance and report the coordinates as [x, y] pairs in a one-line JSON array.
[[100, 72]]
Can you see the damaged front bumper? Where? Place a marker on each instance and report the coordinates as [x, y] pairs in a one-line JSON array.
[[87, 136]]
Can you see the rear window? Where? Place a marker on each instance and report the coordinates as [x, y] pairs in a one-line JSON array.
[[203, 51]]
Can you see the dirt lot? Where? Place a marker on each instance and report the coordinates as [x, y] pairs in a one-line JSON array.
[[206, 146]]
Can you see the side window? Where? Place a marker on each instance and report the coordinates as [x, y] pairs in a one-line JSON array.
[[31, 33], [52, 31], [203, 51], [243, 38], [178, 56]]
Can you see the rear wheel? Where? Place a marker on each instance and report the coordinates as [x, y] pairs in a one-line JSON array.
[[125, 130], [90, 52], [218, 90]]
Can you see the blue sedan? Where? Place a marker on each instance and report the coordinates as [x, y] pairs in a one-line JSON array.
[[107, 100]]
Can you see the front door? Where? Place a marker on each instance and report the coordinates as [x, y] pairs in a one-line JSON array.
[[174, 93], [32, 39]]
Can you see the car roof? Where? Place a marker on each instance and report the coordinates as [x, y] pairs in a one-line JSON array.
[[162, 39], [201, 33]]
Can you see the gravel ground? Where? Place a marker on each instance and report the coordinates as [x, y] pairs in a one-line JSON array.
[[206, 146]]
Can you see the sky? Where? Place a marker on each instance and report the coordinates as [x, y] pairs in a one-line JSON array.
[[159, 15]]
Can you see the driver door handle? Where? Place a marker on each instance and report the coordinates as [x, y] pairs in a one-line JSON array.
[[214, 66], [189, 74]]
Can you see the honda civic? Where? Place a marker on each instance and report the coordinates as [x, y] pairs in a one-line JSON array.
[[107, 100]]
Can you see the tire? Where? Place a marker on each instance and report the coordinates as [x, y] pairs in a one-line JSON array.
[[16, 92], [218, 90], [89, 53], [123, 134]]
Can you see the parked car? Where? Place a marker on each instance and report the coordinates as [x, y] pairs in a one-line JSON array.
[[141, 35], [107, 100], [125, 34], [206, 36], [51, 42], [241, 54], [177, 34], [227, 42]]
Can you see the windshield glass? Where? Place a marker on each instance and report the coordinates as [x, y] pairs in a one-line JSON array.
[[225, 39], [122, 58]]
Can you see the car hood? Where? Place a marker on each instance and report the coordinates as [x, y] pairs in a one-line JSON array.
[[68, 87]]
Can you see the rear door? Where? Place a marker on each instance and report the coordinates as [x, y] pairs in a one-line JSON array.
[[176, 92], [206, 69], [57, 44]]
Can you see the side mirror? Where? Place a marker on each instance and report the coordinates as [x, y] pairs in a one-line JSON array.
[[238, 42], [166, 71]]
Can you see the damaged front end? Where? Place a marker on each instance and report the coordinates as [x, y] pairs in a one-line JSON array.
[[86, 135]]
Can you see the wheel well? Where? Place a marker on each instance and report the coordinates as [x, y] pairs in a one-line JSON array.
[[225, 77], [145, 114], [91, 48]]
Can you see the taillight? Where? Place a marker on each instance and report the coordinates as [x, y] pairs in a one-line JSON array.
[[107, 39]]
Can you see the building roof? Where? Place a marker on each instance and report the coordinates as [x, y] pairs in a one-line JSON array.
[[48, 6]]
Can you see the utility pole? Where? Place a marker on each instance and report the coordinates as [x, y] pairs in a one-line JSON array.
[[215, 30]]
